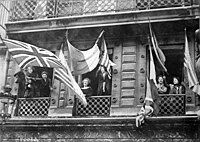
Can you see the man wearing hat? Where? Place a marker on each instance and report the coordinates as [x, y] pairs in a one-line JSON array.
[[45, 85]]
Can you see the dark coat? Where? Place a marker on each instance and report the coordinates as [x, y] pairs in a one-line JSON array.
[[45, 87]]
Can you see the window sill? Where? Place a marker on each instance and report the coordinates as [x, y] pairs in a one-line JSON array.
[[22, 122]]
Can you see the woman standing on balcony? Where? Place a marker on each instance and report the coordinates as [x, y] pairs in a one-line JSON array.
[[103, 81], [45, 85], [87, 90], [176, 87], [162, 86]]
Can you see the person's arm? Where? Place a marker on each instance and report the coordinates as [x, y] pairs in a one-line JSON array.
[[104, 82], [50, 84]]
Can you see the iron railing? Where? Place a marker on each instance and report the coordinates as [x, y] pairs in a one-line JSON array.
[[172, 104], [96, 106], [32, 107], [36, 9], [169, 105]]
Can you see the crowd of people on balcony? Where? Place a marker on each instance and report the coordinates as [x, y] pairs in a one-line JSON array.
[[33, 85], [175, 88]]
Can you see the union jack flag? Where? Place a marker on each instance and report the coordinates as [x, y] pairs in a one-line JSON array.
[[29, 55]]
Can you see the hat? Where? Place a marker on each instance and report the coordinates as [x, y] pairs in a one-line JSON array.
[[44, 72]]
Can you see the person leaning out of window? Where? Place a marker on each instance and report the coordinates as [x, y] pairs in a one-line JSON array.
[[45, 85], [162, 86], [31, 87], [87, 90], [176, 87], [103, 81]]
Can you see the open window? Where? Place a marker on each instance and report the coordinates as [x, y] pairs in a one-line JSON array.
[[173, 101], [93, 76], [174, 64]]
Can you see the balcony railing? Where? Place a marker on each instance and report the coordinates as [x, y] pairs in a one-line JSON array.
[[40, 9], [32, 107], [170, 105]]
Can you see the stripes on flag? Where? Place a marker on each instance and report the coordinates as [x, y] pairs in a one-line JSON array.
[[26, 54], [158, 52], [152, 67], [65, 76], [192, 78], [105, 61], [83, 61], [61, 74]]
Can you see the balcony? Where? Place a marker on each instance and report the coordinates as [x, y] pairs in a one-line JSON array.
[[170, 105], [42, 9], [29, 16]]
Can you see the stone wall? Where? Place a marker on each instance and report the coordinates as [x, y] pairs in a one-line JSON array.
[[156, 130]]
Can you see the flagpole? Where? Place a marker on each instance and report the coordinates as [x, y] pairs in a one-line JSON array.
[[99, 37]]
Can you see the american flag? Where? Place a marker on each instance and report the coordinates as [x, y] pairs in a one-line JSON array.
[[192, 78], [105, 61], [64, 75], [29, 55], [160, 57]]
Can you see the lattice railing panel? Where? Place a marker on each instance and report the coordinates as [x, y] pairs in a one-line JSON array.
[[33, 106], [32, 9], [145, 4], [125, 5], [97, 106], [172, 104], [106, 5], [69, 7]]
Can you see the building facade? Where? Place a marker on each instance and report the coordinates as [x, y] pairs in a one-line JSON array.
[[44, 23]]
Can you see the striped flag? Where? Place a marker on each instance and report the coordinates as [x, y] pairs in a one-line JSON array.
[[83, 61], [104, 59], [152, 92], [29, 55], [65, 76], [192, 78], [151, 85], [158, 52], [146, 109], [151, 98], [152, 67]]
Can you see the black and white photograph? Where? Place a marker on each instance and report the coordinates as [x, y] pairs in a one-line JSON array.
[[99, 70]]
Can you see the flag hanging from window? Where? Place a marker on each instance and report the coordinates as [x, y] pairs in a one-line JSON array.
[[104, 59], [152, 72], [192, 78], [151, 97], [65, 76], [160, 57], [29, 55], [83, 61]]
